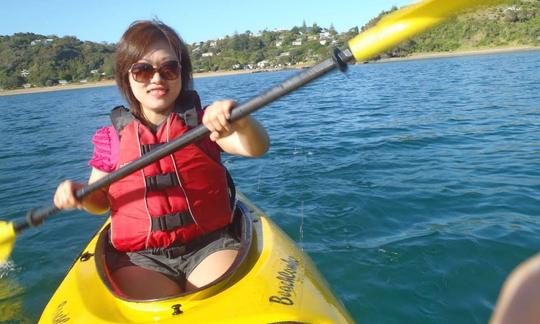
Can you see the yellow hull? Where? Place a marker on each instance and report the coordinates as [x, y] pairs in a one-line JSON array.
[[275, 282]]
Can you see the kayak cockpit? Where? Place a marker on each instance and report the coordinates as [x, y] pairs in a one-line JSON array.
[[241, 228]]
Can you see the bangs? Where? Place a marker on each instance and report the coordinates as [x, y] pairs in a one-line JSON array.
[[143, 39]]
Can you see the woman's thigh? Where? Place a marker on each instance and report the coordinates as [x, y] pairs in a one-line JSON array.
[[211, 268], [140, 283]]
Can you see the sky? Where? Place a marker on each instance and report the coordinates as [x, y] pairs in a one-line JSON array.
[[195, 21]]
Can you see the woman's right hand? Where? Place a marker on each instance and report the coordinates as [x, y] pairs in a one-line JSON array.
[[64, 198]]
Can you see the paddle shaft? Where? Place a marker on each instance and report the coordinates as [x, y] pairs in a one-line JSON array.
[[338, 59]]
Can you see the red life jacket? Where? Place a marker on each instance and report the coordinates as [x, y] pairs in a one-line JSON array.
[[174, 200]]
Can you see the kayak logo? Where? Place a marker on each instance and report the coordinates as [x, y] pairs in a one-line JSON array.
[[59, 317], [287, 281]]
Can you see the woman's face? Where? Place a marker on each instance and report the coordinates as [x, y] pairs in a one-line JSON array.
[[156, 94]]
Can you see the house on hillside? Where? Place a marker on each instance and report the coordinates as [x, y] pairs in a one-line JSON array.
[[42, 41], [262, 64]]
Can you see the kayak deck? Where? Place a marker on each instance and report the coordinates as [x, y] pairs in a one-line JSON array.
[[270, 281]]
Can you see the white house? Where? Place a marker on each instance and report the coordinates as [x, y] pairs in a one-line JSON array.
[[324, 35], [262, 64], [207, 54], [42, 41], [297, 42]]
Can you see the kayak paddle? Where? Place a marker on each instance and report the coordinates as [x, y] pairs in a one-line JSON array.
[[387, 33]]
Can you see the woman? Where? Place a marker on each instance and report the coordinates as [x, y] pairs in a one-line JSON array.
[[169, 220]]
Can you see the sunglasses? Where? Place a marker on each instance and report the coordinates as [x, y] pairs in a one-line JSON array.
[[143, 72]]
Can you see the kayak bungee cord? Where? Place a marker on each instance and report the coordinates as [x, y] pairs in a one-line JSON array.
[[387, 33]]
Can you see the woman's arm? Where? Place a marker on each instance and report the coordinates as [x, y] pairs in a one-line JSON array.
[[95, 203], [245, 137]]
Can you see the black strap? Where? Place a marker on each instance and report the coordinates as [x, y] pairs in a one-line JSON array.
[[147, 148], [170, 252], [232, 188], [120, 117], [169, 222], [188, 106], [161, 181]]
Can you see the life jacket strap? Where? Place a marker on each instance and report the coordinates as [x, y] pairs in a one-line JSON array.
[[169, 222], [187, 106], [147, 148], [161, 181], [120, 117], [170, 252]]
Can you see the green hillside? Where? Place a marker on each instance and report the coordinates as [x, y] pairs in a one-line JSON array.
[[27, 58], [37, 60]]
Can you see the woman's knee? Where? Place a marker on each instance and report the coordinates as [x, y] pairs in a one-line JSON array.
[[141, 283], [211, 268]]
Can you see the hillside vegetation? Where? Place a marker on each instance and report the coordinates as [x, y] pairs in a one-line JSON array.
[[28, 59]]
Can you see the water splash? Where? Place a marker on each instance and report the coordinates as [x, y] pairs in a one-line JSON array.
[[6, 268]]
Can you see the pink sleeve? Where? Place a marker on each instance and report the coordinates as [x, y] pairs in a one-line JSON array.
[[106, 146]]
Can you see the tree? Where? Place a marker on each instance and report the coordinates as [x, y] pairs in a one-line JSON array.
[[315, 29]]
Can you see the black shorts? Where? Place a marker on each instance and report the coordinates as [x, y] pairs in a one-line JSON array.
[[178, 268]]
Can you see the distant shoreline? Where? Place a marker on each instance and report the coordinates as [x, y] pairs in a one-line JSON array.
[[108, 83], [416, 56], [472, 52]]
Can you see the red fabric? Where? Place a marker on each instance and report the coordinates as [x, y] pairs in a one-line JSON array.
[[204, 190], [107, 146]]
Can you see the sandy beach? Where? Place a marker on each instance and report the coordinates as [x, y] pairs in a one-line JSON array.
[[430, 55], [416, 56], [108, 83]]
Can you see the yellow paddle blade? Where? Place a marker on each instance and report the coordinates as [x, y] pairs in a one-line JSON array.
[[406, 23], [7, 240]]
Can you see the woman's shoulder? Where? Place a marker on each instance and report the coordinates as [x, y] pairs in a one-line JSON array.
[[104, 134], [106, 145]]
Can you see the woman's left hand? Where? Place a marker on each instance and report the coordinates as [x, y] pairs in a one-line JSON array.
[[216, 119]]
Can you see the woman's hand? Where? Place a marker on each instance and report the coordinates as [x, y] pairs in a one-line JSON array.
[[216, 119], [64, 198], [244, 137]]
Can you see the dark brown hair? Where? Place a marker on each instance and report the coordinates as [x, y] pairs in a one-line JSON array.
[[134, 44]]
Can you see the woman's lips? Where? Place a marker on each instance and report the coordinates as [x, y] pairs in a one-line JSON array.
[[157, 92]]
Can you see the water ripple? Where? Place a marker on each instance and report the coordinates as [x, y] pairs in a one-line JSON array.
[[416, 183]]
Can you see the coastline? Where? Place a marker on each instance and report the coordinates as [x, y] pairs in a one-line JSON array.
[[416, 56], [109, 83], [471, 52]]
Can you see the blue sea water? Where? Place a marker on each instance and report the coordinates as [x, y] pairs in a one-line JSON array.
[[413, 185]]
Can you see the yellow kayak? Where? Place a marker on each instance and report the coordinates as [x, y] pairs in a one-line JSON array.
[[271, 281]]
